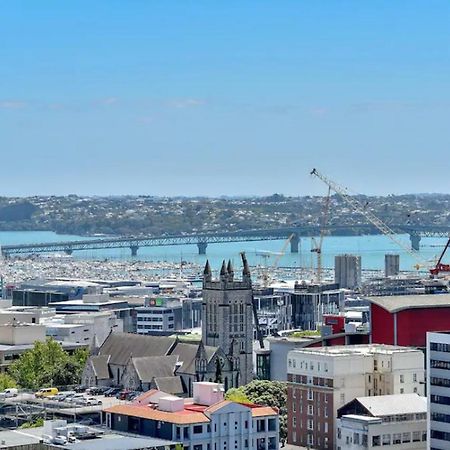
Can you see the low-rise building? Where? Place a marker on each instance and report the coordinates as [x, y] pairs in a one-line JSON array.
[[391, 421], [322, 380], [159, 316], [206, 422]]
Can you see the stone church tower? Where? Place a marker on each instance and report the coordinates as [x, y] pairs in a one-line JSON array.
[[227, 318]]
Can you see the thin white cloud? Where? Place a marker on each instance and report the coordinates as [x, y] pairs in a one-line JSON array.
[[183, 103], [108, 101], [12, 104]]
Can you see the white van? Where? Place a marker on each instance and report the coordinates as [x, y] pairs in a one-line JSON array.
[[8, 393]]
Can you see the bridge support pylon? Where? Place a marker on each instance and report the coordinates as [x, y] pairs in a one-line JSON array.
[[134, 250], [415, 241], [295, 241], [202, 248]]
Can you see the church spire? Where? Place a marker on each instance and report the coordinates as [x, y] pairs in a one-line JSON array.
[[223, 272], [207, 275], [230, 270], [246, 276]]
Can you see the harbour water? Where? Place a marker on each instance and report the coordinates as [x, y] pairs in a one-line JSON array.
[[371, 248]]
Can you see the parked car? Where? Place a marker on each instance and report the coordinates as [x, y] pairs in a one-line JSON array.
[[96, 390], [80, 389], [63, 396], [91, 401], [8, 393], [123, 395], [46, 392], [112, 392], [77, 398]]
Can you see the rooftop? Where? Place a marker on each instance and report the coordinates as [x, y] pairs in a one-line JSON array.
[[391, 405], [191, 414], [396, 303], [347, 350]]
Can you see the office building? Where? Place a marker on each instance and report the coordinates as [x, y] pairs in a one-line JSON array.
[[391, 265], [388, 421], [438, 390], [159, 316], [322, 380], [347, 271]]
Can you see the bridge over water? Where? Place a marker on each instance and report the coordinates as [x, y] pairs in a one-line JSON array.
[[203, 239]]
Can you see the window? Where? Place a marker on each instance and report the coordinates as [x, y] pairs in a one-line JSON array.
[[310, 394], [376, 441], [397, 438], [406, 437], [416, 436], [342, 398], [339, 433], [310, 410], [294, 406], [356, 438], [402, 378], [198, 429], [310, 424], [310, 439], [415, 377], [386, 439], [294, 422], [402, 390], [325, 427]]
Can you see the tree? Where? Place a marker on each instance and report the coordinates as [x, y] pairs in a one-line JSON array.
[[6, 381], [236, 395], [47, 364], [267, 393]]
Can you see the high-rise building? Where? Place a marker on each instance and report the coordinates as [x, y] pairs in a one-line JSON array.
[[391, 265], [227, 317], [438, 390], [321, 380], [347, 271]]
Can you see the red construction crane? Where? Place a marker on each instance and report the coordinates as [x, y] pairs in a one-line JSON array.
[[439, 267]]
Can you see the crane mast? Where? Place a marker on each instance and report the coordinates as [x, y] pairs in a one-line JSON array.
[[374, 220]]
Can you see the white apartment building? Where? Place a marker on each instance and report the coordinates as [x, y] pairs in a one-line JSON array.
[[391, 421], [323, 379], [438, 389]]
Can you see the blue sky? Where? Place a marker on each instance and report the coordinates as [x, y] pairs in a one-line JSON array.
[[226, 97]]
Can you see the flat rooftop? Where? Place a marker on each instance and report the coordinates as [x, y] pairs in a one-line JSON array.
[[347, 350], [396, 303]]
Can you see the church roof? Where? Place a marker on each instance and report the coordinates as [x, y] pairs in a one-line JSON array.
[[120, 346], [150, 367], [100, 366], [171, 385]]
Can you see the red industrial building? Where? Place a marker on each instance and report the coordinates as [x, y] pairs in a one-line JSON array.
[[405, 319]]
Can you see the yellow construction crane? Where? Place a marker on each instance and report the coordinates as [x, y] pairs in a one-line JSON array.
[[318, 245], [374, 220], [266, 255]]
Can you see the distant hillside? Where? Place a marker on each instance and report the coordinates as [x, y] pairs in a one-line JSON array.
[[136, 215]]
